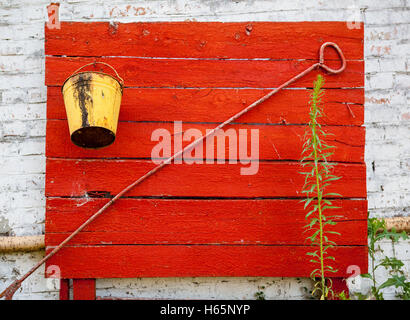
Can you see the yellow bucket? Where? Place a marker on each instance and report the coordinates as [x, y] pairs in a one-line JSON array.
[[92, 102]]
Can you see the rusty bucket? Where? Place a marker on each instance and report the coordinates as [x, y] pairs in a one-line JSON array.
[[92, 101]]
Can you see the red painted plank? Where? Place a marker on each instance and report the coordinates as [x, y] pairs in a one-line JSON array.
[[287, 106], [160, 221], [64, 293], [198, 261], [83, 289], [138, 72], [352, 233], [273, 40], [273, 179], [134, 140]]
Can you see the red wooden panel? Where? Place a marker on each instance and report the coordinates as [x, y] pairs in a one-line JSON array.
[[125, 261], [206, 73], [162, 221], [275, 142], [286, 107], [245, 40], [274, 179], [256, 236], [83, 289]]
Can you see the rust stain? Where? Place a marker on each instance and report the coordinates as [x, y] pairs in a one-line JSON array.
[[81, 93]]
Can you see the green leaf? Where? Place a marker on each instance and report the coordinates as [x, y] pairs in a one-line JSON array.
[[312, 223], [392, 263], [332, 232], [333, 194], [307, 202], [388, 283]]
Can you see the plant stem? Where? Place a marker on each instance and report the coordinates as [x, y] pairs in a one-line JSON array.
[[319, 203], [371, 250], [315, 154]]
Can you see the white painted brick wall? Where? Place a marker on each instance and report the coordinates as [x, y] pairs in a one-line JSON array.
[[22, 123]]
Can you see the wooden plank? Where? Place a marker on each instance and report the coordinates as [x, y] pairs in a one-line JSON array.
[[245, 40], [286, 107], [190, 73], [83, 289], [64, 293], [125, 261], [351, 233], [273, 179], [277, 142], [161, 221]]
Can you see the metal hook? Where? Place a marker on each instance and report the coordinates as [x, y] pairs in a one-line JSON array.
[[322, 58]]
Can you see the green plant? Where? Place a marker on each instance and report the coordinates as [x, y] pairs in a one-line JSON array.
[[377, 231], [260, 295], [318, 177]]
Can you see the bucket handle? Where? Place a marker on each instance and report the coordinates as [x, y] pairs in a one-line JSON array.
[[93, 63]]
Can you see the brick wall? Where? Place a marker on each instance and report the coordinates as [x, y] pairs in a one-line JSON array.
[[23, 107]]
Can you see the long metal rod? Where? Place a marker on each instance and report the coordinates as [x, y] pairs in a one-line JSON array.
[[10, 290]]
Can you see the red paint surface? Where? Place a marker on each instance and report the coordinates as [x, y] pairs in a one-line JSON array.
[[274, 179], [165, 221], [275, 142], [259, 235], [84, 289], [287, 107], [174, 73], [64, 293], [128, 261], [244, 40]]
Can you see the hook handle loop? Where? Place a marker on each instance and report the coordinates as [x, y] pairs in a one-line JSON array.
[[322, 57]]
